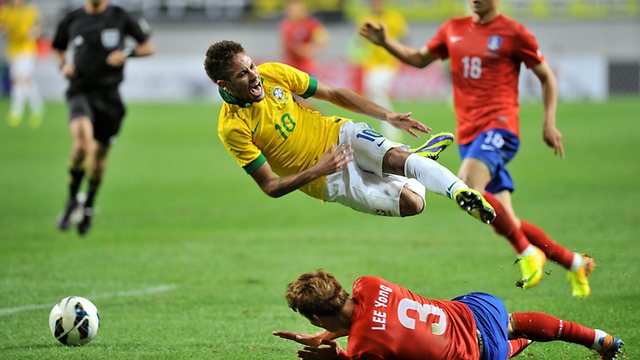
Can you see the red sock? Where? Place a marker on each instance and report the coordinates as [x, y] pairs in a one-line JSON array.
[[516, 346], [543, 327], [504, 225], [552, 249]]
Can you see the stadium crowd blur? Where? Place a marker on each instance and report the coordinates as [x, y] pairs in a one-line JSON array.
[[595, 32]]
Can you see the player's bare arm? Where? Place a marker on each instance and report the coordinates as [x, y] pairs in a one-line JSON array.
[[376, 33], [333, 160], [313, 340], [117, 57], [351, 101], [550, 133]]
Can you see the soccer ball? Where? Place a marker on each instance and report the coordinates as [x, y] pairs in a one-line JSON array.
[[74, 321]]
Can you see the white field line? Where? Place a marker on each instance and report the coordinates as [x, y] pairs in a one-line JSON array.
[[116, 294]]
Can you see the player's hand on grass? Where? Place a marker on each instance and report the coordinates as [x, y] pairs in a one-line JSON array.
[[405, 122], [334, 160], [374, 32], [329, 352], [553, 137], [313, 340]]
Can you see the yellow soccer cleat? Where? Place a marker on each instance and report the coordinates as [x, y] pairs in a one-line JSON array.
[[434, 145], [35, 121], [579, 279], [532, 268], [14, 120], [475, 205]]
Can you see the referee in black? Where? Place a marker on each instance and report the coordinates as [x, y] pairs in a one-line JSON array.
[[90, 48]]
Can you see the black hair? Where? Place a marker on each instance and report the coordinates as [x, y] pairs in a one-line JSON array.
[[219, 57]]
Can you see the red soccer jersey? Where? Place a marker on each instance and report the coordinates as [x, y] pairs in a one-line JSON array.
[[390, 322], [294, 35], [485, 64]]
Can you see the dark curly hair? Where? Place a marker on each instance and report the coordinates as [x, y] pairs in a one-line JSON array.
[[219, 57], [316, 293]]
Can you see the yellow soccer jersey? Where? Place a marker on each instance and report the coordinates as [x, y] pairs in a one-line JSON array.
[[396, 27], [18, 22], [277, 129]]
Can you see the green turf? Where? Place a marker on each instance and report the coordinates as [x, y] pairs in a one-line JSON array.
[[175, 210]]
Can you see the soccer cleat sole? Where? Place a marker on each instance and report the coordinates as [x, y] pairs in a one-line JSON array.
[[473, 203]]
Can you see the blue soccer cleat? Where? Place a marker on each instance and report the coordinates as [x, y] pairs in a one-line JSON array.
[[611, 347]]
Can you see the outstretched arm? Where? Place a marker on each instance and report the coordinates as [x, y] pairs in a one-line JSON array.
[[376, 33], [351, 101], [552, 136], [331, 162], [313, 340]]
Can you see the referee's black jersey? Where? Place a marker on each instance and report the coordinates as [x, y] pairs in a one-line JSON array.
[[92, 37]]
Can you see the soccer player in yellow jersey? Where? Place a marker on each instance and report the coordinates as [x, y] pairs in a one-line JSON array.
[[378, 66], [330, 158], [22, 24]]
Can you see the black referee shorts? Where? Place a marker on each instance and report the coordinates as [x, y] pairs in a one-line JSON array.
[[103, 107]]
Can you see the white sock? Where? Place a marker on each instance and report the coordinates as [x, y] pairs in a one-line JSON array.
[[19, 95], [596, 342], [577, 262], [435, 177], [529, 250], [35, 99]]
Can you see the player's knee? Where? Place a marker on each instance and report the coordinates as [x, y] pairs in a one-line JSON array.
[[410, 203], [393, 161]]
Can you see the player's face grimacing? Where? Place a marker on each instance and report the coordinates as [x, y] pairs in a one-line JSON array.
[[244, 82]]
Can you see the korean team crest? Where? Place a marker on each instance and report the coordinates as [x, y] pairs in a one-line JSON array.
[[110, 38], [278, 93], [494, 42]]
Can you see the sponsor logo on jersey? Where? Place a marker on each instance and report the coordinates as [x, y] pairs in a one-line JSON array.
[[494, 42], [110, 38], [455, 38]]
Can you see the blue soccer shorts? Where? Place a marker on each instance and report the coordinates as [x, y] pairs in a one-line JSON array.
[[492, 320], [495, 148]]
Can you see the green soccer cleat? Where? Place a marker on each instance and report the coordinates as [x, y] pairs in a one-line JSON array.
[[579, 279], [434, 145], [531, 267], [475, 205], [610, 347]]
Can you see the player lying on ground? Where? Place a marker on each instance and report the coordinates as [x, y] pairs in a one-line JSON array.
[[386, 321], [330, 158]]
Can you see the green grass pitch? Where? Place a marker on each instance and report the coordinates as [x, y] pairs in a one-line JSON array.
[[177, 215]]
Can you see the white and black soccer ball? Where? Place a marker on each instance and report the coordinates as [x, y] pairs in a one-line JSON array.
[[74, 321]]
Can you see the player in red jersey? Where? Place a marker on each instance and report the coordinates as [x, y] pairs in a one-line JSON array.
[[301, 35], [386, 321], [485, 52]]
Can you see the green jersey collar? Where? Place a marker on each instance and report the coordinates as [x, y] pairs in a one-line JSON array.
[[228, 98]]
